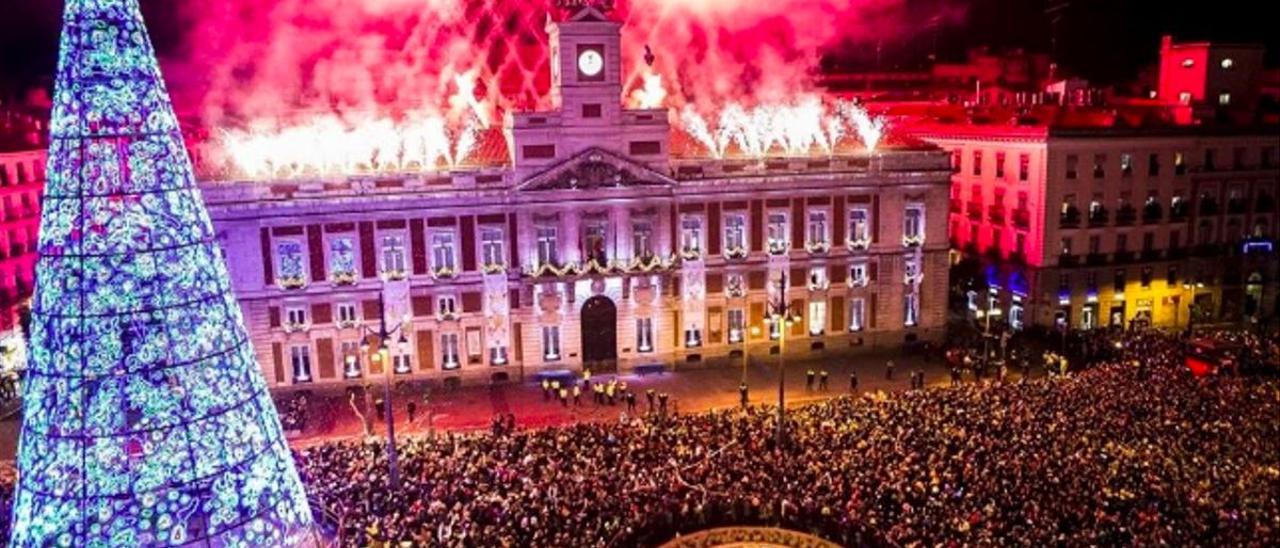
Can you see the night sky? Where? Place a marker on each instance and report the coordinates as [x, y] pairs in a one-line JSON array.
[[1102, 40]]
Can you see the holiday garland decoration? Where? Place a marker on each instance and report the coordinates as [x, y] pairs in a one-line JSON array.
[[146, 419]]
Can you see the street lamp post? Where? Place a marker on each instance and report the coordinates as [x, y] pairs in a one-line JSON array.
[[383, 333], [782, 318]]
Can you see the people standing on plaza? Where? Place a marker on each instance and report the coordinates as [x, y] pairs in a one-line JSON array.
[[888, 370], [610, 390], [631, 402], [577, 396], [742, 394], [955, 376], [920, 378], [853, 381], [822, 380], [546, 390], [662, 403], [412, 408], [808, 380], [564, 397]]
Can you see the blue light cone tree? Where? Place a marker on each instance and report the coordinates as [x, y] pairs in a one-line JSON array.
[[146, 420]]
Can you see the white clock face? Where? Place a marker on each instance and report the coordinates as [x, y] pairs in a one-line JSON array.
[[590, 62]]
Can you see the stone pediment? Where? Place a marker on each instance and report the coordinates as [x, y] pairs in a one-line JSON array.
[[594, 169]]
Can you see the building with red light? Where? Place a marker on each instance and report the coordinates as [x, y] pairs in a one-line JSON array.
[[588, 235], [1125, 213], [22, 167]]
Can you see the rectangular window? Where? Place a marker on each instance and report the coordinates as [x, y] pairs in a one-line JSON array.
[[393, 256], [911, 309], [645, 148], [691, 236], [1024, 167], [735, 234], [346, 314], [1171, 276], [342, 260], [498, 355], [449, 351], [858, 274], [737, 325], [778, 236], [442, 254], [550, 342], [1118, 281], [1179, 164], [818, 278], [300, 359], [492, 248], [1126, 165], [692, 337], [1099, 166], [913, 225], [290, 263], [817, 232], [859, 228], [539, 152], [977, 163], [1000, 158], [1237, 158], [591, 110], [644, 334], [1153, 165], [1073, 166], [817, 318], [446, 306], [400, 364], [593, 245], [955, 160], [1147, 274], [1148, 241], [1066, 246], [1210, 159], [1095, 245], [857, 314], [1122, 243], [295, 317], [350, 359], [547, 246], [641, 240]]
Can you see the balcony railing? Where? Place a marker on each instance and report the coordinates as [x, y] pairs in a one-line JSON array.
[[1018, 257], [1151, 213], [996, 214], [1235, 207], [1096, 258], [1069, 218], [975, 211], [1068, 260], [1208, 207], [1264, 204], [1176, 253], [1179, 212], [1098, 216], [1126, 215], [1150, 254], [1123, 256], [1022, 218]]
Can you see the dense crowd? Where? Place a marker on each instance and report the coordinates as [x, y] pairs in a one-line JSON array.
[[1132, 452]]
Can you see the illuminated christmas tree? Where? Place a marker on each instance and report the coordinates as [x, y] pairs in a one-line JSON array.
[[146, 420]]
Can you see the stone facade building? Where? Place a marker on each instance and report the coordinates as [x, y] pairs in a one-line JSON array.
[[587, 240]]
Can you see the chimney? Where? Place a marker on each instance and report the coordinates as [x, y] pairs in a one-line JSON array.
[[1166, 42]]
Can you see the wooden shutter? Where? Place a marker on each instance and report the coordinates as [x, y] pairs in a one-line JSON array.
[[426, 350], [273, 316], [370, 309], [472, 301], [871, 310], [277, 360], [715, 284], [468, 235], [839, 224], [268, 262], [368, 253], [756, 319], [836, 314], [757, 225], [798, 222], [315, 249], [517, 342], [713, 229], [321, 313], [837, 273], [421, 305], [324, 355], [875, 219], [418, 246], [798, 329], [757, 279], [513, 241]]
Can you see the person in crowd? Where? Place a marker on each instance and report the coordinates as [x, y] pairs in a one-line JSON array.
[[742, 394], [808, 380], [888, 370], [853, 382], [822, 380]]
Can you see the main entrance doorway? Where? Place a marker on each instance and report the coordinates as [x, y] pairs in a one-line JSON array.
[[599, 333]]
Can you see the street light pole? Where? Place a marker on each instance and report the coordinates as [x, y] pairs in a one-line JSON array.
[[393, 464], [780, 316]]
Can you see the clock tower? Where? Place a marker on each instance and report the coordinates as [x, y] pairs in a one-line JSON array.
[[586, 66], [586, 99]]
